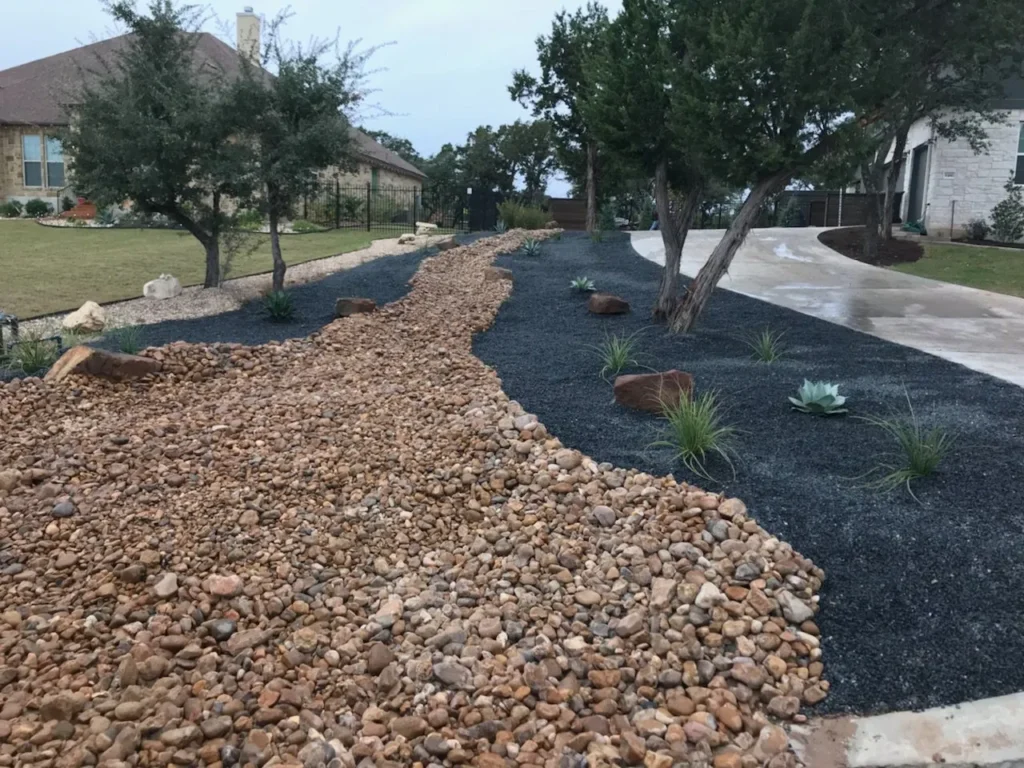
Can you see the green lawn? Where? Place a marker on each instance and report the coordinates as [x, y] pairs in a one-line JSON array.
[[48, 269], [993, 269]]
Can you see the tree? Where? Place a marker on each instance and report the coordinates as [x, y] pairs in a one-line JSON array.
[[563, 87], [948, 71], [150, 126], [528, 153], [443, 168], [401, 147], [295, 126], [632, 113], [482, 162]]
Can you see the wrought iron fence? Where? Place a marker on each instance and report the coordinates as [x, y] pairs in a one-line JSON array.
[[392, 209]]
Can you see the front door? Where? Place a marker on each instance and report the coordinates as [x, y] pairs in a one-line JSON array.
[[918, 169]]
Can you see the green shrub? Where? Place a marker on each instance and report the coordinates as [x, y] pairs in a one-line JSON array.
[[66, 204], [351, 207], [249, 219], [766, 346], [919, 452], [617, 353], [128, 338], [606, 217], [790, 215], [582, 284], [33, 354], [977, 229], [695, 431], [597, 236], [11, 209], [36, 207], [1008, 215], [820, 398], [518, 216], [279, 306]]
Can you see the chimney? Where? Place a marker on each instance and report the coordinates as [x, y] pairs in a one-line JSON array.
[[248, 28]]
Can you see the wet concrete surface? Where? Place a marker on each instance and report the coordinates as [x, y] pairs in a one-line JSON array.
[[791, 268]]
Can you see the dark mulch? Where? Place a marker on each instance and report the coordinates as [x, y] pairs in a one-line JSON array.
[[924, 603], [849, 241], [988, 243]]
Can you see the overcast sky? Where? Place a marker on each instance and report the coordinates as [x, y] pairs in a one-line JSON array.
[[446, 73]]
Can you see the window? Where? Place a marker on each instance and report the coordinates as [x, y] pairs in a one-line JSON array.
[[374, 178], [54, 162], [1019, 177], [32, 159]]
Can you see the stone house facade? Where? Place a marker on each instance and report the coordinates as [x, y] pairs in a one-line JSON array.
[[34, 106]]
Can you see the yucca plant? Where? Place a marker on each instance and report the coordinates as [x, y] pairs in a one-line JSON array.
[[582, 284], [695, 431], [919, 451], [33, 354], [531, 247], [820, 398], [617, 353], [128, 338], [279, 306], [766, 346]]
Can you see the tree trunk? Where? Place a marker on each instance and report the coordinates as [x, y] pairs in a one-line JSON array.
[[674, 229], [212, 279], [890, 181], [699, 293], [591, 187], [871, 228], [277, 283]]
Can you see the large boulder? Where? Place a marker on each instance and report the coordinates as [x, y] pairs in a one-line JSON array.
[[651, 391], [552, 225], [99, 362], [164, 287], [348, 306], [607, 304], [407, 239], [90, 317], [447, 245], [425, 228]]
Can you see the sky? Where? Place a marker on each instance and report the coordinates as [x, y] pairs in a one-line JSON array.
[[444, 69]]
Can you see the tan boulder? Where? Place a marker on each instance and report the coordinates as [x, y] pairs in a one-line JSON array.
[[90, 317], [99, 362], [348, 306], [496, 274]]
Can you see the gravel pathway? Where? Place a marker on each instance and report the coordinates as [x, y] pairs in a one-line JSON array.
[[923, 602]]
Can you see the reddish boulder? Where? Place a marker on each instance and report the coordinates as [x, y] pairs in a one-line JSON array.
[[607, 304], [648, 391], [347, 306], [99, 362], [497, 274]]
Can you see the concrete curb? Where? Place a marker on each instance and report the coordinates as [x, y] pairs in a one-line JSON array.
[[989, 733]]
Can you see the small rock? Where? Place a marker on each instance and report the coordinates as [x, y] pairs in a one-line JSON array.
[[604, 516], [793, 608], [378, 658], [63, 509], [409, 727], [166, 586], [453, 674]]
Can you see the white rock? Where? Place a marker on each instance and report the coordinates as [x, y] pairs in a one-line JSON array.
[[89, 317], [709, 596], [793, 608], [423, 228], [164, 287], [406, 239]]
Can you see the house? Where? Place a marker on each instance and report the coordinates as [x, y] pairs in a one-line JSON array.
[[946, 184], [35, 98]]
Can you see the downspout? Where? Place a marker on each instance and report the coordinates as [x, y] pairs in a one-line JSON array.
[[926, 198]]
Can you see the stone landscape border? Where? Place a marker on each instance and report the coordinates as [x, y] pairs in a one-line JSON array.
[[918, 595]]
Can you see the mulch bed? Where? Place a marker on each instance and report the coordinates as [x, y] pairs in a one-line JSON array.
[[923, 602], [849, 241]]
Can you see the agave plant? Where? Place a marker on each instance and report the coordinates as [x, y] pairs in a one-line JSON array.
[[820, 398], [500, 227], [531, 247], [583, 285], [279, 306]]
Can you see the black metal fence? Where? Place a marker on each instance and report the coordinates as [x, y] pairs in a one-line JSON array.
[[392, 209]]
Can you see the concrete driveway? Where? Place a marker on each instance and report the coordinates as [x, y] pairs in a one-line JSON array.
[[789, 267]]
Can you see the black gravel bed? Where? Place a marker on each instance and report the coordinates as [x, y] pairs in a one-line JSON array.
[[923, 604]]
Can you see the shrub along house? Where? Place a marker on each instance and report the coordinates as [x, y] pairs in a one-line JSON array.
[[35, 99]]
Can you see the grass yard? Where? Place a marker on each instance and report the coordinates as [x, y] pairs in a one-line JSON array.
[[992, 269], [49, 269]]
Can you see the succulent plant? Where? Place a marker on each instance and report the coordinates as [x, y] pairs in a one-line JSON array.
[[500, 227], [582, 284], [821, 398], [531, 247]]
